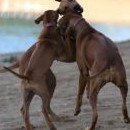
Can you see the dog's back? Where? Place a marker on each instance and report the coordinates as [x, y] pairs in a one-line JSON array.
[[94, 51]]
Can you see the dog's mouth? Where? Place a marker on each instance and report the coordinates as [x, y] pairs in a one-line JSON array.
[[77, 9]]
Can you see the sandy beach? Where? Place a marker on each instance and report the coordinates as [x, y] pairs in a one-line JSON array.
[[63, 103]]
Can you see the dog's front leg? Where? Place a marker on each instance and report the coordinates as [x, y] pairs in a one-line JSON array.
[[82, 85]]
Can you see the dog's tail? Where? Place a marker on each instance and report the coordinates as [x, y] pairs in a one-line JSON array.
[[14, 66], [16, 74]]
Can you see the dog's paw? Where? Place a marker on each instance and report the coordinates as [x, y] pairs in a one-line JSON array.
[[87, 128], [127, 120], [53, 128], [36, 22], [77, 112]]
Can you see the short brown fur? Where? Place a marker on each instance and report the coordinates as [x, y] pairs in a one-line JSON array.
[[35, 65], [98, 60]]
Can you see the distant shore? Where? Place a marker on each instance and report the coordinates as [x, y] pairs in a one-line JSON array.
[[103, 11]]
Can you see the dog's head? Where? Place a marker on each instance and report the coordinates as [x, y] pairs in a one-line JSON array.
[[48, 17], [69, 4]]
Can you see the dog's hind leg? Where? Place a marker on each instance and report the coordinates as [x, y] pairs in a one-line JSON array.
[[95, 86], [52, 115], [27, 98], [123, 86], [124, 90], [45, 103]]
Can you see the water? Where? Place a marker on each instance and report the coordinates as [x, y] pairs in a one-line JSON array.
[[115, 32], [17, 35]]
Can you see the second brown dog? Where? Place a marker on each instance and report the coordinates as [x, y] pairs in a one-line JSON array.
[[35, 71]]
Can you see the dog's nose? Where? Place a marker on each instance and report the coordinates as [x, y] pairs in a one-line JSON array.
[[78, 8], [58, 0], [36, 21]]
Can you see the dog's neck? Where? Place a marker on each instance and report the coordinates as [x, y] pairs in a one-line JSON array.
[[78, 21], [49, 24]]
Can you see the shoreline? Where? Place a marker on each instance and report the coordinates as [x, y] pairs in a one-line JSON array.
[[21, 52], [12, 57]]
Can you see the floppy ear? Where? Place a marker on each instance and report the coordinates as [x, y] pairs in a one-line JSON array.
[[58, 0], [39, 19]]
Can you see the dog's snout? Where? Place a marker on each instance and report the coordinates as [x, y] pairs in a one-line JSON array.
[[78, 8], [36, 21]]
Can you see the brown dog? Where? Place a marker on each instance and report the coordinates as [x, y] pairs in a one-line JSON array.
[[98, 60], [35, 71]]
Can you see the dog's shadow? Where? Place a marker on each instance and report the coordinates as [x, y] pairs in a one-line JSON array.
[[66, 118], [61, 119]]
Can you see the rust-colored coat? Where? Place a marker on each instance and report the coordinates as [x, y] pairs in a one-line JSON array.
[[98, 59]]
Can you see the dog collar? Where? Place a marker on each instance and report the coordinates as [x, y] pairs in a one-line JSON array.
[[78, 21], [49, 24]]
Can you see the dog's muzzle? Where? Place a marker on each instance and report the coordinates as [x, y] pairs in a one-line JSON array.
[[77, 8]]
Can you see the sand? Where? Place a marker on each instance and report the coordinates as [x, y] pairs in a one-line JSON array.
[[63, 103]]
